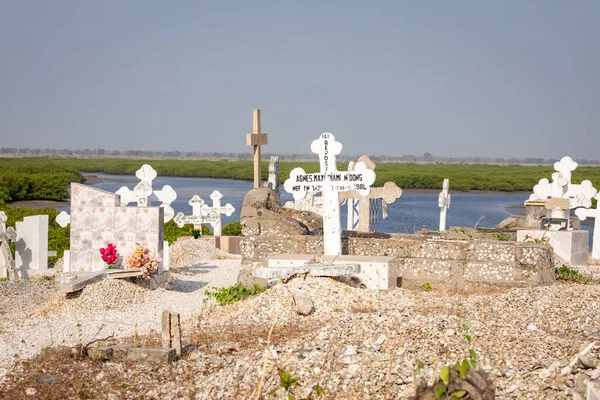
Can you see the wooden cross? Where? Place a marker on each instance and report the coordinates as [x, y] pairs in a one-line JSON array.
[[256, 139], [390, 192]]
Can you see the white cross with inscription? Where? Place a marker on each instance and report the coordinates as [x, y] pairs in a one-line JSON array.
[[256, 139], [444, 203], [197, 219], [331, 182], [583, 214], [389, 193], [143, 194], [216, 208]]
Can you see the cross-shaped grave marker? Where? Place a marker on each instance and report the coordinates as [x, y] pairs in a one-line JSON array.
[[444, 203], [331, 182], [389, 193], [143, 193], [7, 262], [273, 182], [197, 218], [256, 139], [579, 195], [583, 214], [206, 210]]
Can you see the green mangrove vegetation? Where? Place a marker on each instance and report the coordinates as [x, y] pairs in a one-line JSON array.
[[46, 178]]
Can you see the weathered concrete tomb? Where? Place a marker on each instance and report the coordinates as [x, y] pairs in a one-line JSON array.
[[443, 261]]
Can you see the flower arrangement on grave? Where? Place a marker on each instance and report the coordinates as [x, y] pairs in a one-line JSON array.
[[109, 255], [196, 233], [141, 257]]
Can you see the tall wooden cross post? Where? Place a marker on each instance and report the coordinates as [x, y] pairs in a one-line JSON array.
[[256, 139]]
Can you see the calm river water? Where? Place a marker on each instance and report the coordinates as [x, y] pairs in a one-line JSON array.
[[411, 212]]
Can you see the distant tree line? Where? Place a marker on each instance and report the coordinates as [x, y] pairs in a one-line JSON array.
[[407, 158]]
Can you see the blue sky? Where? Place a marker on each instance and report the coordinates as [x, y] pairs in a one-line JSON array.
[[511, 78]]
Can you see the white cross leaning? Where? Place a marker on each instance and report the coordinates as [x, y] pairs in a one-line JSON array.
[[583, 214], [216, 208], [143, 193], [444, 203], [330, 181], [197, 219]]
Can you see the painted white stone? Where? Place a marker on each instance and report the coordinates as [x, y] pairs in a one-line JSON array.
[[330, 182], [165, 255], [273, 181], [217, 209], [7, 235], [63, 219], [444, 203], [311, 202], [583, 214], [197, 218], [143, 193], [66, 261], [31, 250]]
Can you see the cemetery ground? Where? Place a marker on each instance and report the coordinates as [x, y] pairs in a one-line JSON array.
[[354, 343]]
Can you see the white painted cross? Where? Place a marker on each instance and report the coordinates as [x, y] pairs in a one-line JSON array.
[[216, 208], [444, 204], [143, 194], [583, 214], [331, 182], [579, 195], [196, 218], [389, 193], [256, 139]]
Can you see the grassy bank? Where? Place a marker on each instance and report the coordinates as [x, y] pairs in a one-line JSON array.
[[506, 178]]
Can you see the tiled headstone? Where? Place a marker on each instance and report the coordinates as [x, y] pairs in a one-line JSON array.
[[143, 194], [583, 214], [98, 219], [444, 203], [31, 250], [330, 182]]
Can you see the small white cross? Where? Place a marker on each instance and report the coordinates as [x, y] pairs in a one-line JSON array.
[[143, 193], [217, 209], [444, 203], [197, 218]]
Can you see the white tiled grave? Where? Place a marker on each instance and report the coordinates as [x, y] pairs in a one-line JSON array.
[[377, 272], [569, 245]]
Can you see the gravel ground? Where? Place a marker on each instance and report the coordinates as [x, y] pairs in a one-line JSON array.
[[34, 315]]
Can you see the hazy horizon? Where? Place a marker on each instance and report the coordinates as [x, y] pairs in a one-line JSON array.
[[463, 79]]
